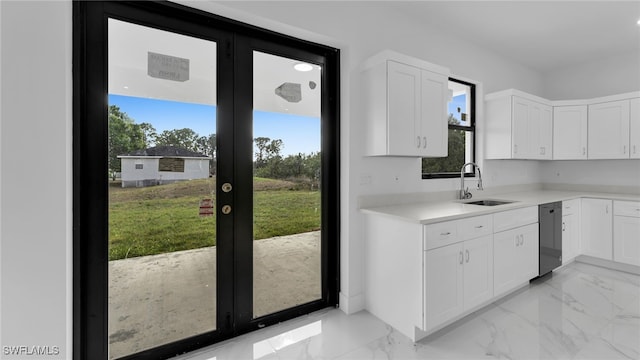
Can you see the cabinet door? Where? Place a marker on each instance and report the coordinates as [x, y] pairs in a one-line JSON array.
[[543, 132], [403, 123], [478, 271], [626, 240], [597, 228], [570, 132], [434, 126], [443, 273], [528, 253], [520, 123], [634, 138], [609, 130], [532, 129], [505, 266], [570, 237]]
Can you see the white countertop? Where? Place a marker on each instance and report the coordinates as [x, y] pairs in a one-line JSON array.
[[437, 211]]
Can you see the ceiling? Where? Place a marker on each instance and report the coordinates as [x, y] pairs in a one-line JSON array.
[[132, 73], [543, 35]]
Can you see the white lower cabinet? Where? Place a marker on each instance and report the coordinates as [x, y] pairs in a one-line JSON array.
[[420, 278], [626, 232], [515, 257], [597, 228], [458, 277], [443, 284], [570, 230]]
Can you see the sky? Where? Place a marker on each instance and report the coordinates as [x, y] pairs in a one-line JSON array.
[[457, 101], [300, 134]]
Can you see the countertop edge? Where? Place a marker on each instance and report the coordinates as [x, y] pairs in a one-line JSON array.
[[455, 209]]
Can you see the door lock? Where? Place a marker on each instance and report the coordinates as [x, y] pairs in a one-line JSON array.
[[226, 209], [226, 187]]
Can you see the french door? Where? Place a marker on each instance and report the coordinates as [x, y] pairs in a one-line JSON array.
[[205, 179]]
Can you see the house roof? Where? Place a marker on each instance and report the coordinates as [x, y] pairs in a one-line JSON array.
[[172, 151]]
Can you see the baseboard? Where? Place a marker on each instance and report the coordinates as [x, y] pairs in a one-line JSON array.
[[633, 269], [351, 304]]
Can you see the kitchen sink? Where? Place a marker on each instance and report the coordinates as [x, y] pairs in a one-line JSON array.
[[488, 202]]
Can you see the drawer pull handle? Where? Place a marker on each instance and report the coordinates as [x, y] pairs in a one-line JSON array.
[[445, 233], [481, 226]]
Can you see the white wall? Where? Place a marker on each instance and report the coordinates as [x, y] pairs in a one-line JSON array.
[[193, 169], [613, 74], [36, 189]]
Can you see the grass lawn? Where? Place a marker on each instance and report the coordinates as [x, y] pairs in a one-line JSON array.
[[160, 219]]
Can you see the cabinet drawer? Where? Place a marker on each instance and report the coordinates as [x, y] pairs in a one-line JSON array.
[[626, 208], [475, 227], [513, 218], [570, 207], [440, 234]]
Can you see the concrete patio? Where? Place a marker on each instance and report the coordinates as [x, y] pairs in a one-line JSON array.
[[157, 299]]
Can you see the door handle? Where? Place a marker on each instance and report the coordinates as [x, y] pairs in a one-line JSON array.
[[424, 140], [467, 251], [461, 257]]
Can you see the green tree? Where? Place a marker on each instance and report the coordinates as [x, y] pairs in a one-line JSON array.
[[183, 138], [268, 159], [125, 136], [456, 153], [207, 146]]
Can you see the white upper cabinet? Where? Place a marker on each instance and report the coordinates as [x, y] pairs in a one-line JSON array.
[[634, 138], [406, 107], [519, 126], [609, 130], [570, 132]]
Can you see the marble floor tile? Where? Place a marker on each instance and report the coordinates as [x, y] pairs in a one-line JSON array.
[[580, 312]]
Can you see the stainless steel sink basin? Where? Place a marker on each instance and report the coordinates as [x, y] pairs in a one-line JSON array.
[[488, 202]]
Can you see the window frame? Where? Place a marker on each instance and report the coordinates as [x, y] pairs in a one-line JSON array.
[[471, 127]]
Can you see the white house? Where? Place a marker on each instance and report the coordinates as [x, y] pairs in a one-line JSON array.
[[162, 165]]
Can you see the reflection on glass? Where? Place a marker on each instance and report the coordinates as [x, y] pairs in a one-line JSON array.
[[286, 130], [278, 342], [162, 227]]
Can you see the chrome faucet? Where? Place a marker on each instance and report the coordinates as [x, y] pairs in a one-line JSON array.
[[464, 193]]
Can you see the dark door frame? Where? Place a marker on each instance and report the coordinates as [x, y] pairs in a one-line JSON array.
[[90, 185]]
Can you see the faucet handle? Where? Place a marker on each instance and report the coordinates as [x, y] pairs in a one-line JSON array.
[[467, 194]]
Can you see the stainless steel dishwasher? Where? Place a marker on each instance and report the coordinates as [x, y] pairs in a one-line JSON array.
[[550, 222]]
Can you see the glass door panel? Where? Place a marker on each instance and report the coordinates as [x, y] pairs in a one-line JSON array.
[[162, 187], [286, 183]]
